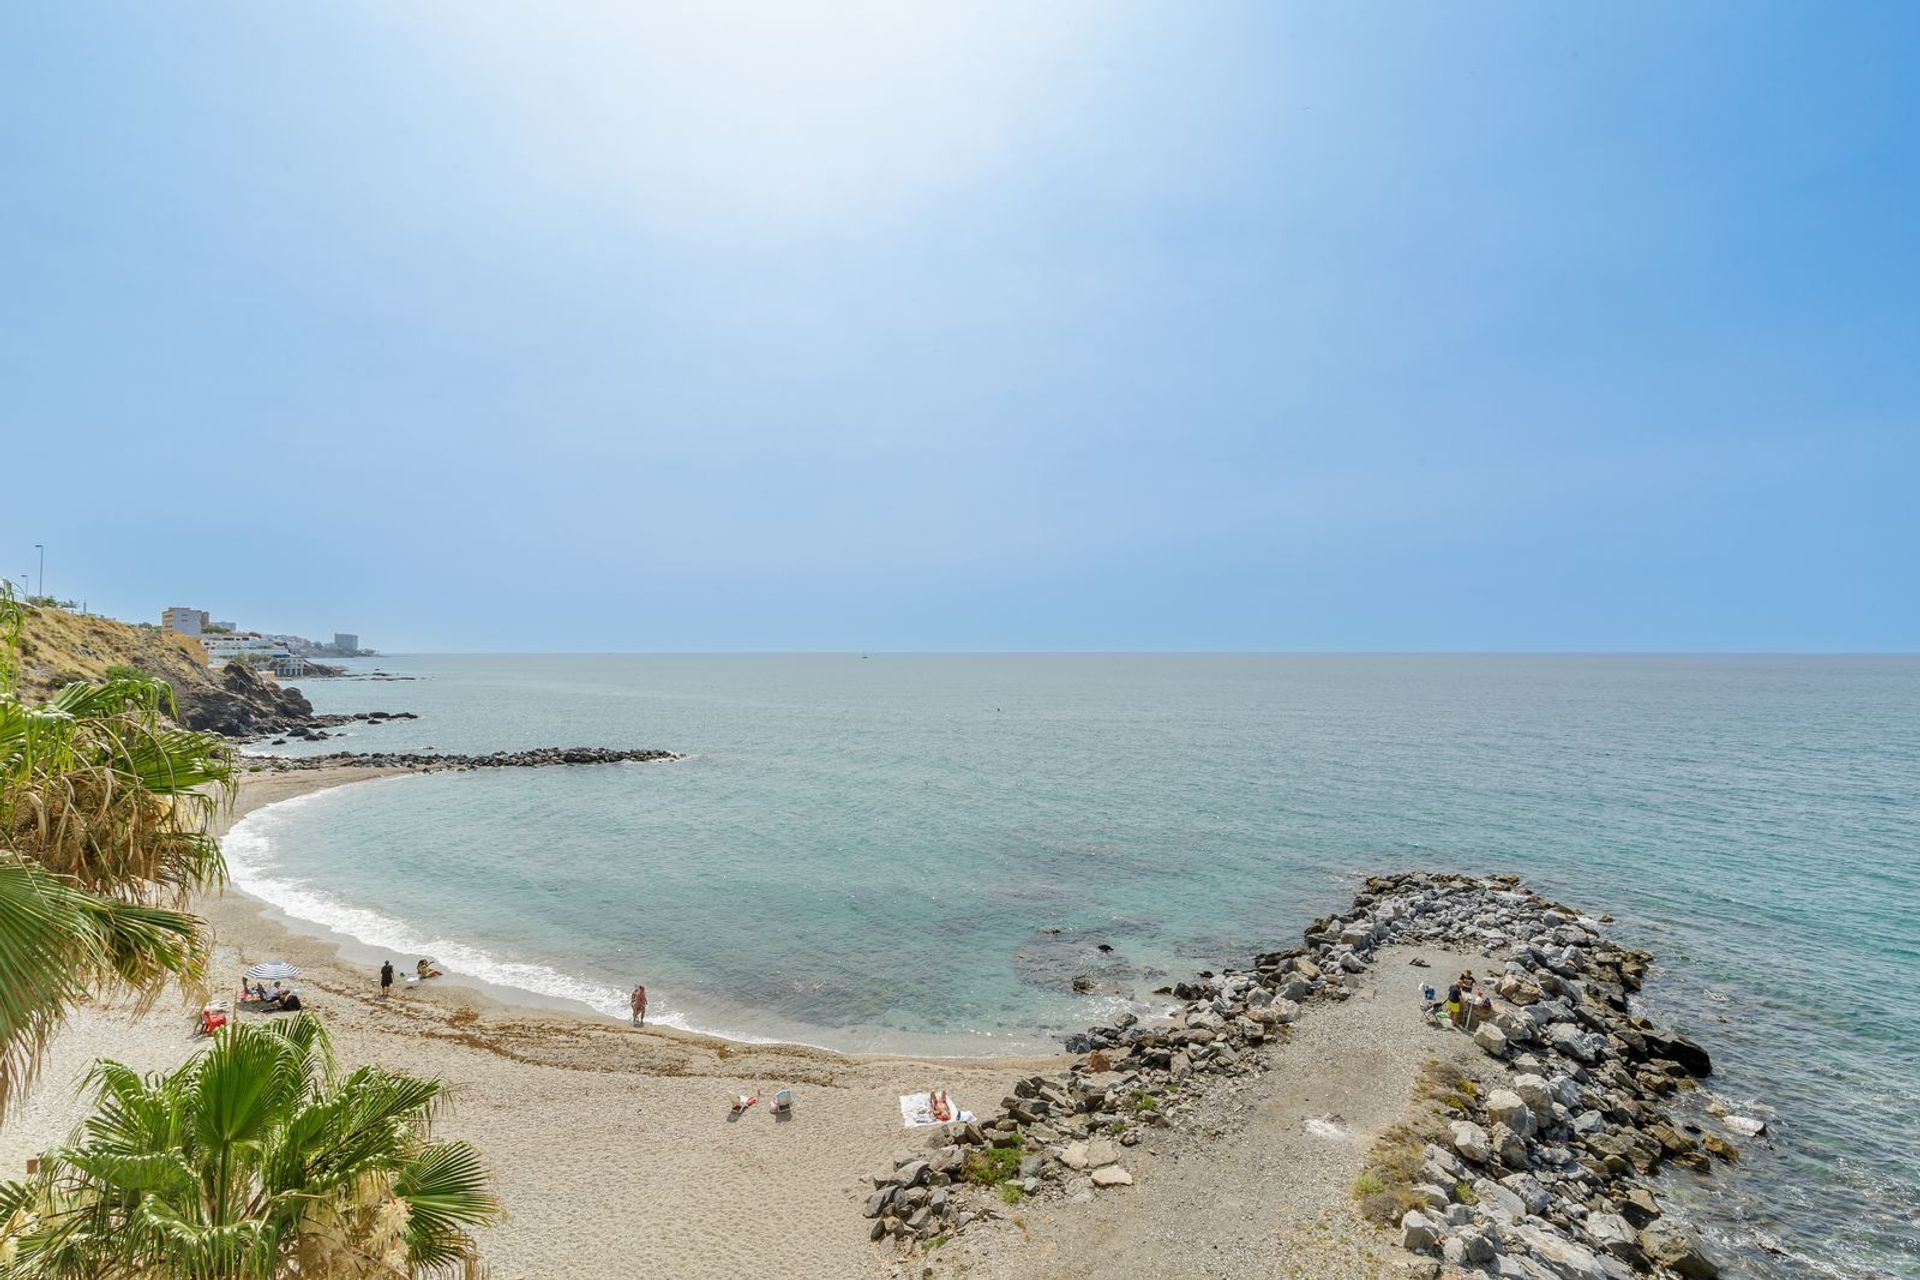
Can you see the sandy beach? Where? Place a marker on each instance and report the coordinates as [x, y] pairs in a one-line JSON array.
[[610, 1144], [614, 1156]]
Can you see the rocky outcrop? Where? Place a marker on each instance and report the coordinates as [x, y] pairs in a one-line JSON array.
[[1540, 1178], [433, 761], [242, 703]]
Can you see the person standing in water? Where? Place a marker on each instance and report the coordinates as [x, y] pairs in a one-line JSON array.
[[639, 1005], [386, 979]]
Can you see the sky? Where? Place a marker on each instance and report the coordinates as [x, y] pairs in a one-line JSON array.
[[474, 326]]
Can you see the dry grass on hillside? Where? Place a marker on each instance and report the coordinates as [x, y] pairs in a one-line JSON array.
[[57, 647]]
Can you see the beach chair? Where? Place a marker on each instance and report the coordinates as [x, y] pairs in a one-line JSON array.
[[212, 1018], [742, 1103], [782, 1107]]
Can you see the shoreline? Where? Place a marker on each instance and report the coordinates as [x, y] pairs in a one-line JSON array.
[[580, 1117], [258, 926], [583, 1117]]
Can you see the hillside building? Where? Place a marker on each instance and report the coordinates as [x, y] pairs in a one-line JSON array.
[[186, 622]]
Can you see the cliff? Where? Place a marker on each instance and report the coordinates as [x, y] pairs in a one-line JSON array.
[[58, 647]]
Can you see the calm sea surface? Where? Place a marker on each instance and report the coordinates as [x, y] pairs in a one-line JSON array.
[[924, 852]]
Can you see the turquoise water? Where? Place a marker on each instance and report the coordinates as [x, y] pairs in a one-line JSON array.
[[922, 853]]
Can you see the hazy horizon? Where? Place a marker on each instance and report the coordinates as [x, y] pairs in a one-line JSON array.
[[1102, 327]]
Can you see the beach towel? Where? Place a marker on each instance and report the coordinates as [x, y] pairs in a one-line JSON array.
[[916, 1112]]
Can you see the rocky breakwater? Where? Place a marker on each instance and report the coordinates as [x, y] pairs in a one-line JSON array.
[[433, 761], [1545, 1174], [1543, 1178]]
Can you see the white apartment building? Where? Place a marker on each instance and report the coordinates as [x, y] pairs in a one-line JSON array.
[[186, 622]]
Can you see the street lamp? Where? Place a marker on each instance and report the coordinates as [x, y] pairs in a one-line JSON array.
[[41, 547]]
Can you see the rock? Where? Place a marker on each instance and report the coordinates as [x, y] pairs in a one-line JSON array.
[[1444, 1160], [1745, 1126], [1418, 1232], [1100, 1152], [1570, 1040], [1613, 1234], [1476, 1247], [1470, 1140], [1074, 1155], [1112, 1175], [1497, 1201], [1561, 1256], [1638, 1206], [1720, 1147], [1434, 1195], [1671, 1245], [1677, 1048], [877, 1202], [1528, 1188], [1491, 1038], [1504, 1106], [1536, 1093], [1509, 1147], [911, 1174]]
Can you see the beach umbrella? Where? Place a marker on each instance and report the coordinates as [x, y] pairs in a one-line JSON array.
[[273, 969]]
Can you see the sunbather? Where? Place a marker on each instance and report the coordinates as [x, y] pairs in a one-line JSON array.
[[938, 1104]]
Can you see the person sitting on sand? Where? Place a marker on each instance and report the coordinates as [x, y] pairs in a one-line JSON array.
[[426, 970]]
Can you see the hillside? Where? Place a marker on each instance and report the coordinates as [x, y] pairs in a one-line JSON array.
[[58, 647]]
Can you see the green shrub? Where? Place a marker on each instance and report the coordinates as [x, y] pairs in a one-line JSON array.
[[992, 1166], [1010, 1193]]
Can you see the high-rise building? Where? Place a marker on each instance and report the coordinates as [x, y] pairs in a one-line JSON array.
[[346, 641], [187, 622]]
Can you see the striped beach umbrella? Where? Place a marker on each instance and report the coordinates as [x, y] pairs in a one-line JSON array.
[[273, 969]]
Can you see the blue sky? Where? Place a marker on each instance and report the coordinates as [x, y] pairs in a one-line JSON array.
[[1192, 326]]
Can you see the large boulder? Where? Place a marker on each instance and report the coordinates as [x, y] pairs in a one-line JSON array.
[[1470, 1140], [1535, 1092], [1418, 1232], [1497, 1201], [1509, 1147], [1504, 1106], [1561, 1256], [1677, 1048], [1529, 1189], [1613, 1234], [1675, 1247], [1491, 1039]]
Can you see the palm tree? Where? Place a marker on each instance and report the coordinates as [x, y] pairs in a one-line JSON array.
[[106, 814], [255, 1159]]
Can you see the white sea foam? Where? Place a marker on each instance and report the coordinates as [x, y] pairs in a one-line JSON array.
[[253, 866]]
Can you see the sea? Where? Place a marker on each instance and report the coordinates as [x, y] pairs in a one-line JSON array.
[[950, 854]]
